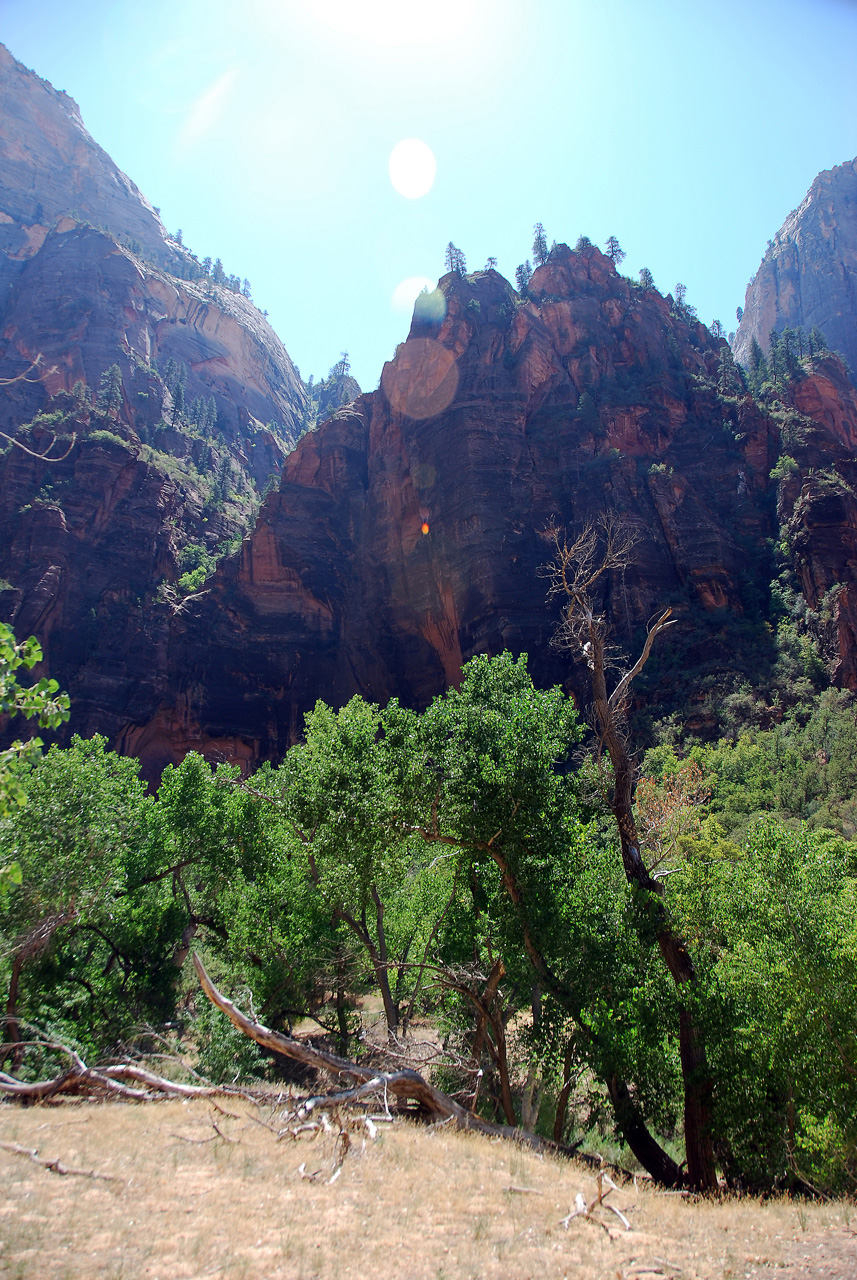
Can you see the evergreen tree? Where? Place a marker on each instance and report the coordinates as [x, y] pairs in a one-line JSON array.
[[614, 251], [817, 342], [179, 236], [739, 314], [454, 260], [758, 366], [540, 245], [716, 330], [490, 265], [206, 266], [647, 280], [342, 367], [218, 275], [730, 379], [245, 288], [583, 242], [522, 276], [110, 391], [195, 413], [680, 295], [178, 403], [170, 376]]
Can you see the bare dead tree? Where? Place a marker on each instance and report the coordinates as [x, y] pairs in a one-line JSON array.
[[576, 573]]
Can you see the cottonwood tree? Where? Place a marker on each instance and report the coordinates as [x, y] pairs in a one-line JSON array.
[[42, 702], [577, 572]]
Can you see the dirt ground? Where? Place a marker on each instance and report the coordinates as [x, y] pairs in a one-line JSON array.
[[191, 1201]]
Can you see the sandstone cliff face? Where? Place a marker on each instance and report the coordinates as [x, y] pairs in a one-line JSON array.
[[89, 278], [84, 303], [589, 395], [818, 508], [809, 273], [407, 531], [52, 167]]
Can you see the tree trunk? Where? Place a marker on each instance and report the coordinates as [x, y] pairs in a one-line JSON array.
[[701, 1172], [564, 1094]]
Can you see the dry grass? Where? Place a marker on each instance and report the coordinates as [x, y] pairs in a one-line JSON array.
[[414, 1203]]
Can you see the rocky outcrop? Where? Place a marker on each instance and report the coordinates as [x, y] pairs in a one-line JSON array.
[[808, 275]]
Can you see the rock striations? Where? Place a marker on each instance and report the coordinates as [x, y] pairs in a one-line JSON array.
[[808, 275]]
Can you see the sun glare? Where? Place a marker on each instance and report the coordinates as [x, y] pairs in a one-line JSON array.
[[407, 291], [390, 22], [412, 168]]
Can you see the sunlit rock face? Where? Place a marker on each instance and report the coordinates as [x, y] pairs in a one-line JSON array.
[[808, 275]]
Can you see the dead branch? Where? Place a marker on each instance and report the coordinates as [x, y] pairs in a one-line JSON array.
[[79, 1079], [43, 457], [584, 1210], [55, 1166], [406, 1085]]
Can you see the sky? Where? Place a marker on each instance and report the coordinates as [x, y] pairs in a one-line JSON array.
[[264, 130]]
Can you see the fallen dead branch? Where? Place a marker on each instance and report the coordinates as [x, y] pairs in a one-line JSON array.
[[584, 1210], [82, 1081], [405, 1085], [56, 1166]]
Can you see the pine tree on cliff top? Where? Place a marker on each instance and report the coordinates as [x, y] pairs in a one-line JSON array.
[[540, 245], [614, 251]]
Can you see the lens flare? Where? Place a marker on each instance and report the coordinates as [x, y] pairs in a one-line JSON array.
[[412, 168], [430, 307], [408, 291], [422, 379]]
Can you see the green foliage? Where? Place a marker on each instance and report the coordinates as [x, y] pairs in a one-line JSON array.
[[540, 245], [413, 854], [776, 951], [93, 951], [41, 702], [110, 392]]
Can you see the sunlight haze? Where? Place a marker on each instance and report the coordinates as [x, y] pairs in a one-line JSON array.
[[267, 132]]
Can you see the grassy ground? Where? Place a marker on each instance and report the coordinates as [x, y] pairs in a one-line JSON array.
[[412, 1203]]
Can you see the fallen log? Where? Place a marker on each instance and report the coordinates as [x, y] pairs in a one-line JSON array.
[[404, 1084]]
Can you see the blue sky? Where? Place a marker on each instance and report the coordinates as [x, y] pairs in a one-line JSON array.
[[263, 129]]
